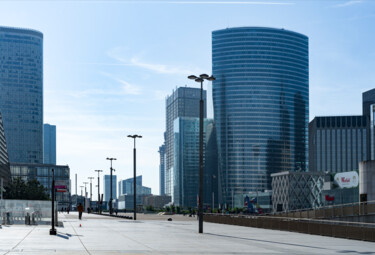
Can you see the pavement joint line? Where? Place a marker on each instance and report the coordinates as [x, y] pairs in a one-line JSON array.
[[21, 240], [79, 238], [135, 240]]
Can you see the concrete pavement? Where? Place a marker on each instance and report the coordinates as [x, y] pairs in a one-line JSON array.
[[149, 235]]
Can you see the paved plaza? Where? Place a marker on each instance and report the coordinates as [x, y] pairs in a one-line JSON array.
[[156, 235]]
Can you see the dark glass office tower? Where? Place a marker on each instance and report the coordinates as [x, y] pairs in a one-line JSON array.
[[261, 105], [21, 93], [184, 102], [4, 163], [49, 144]]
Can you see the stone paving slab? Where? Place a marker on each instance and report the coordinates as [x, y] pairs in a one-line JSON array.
[[109, 235]]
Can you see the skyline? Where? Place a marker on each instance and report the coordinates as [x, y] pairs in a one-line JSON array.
[[134, 66]]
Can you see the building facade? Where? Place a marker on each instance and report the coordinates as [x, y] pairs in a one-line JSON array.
[[186, 164], [21, 93], [162, 167], [184, 102], [49, 144], [127, 186], [43, 174], [337, 143], [4, 161], [297, 190], [107, 187], [261, 106]]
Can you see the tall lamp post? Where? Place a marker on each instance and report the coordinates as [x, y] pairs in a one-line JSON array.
[[52, 231], [90, 178], [200, 79], [135, 175], [98, 188], [85, 189], [110, 200], [81, 190]]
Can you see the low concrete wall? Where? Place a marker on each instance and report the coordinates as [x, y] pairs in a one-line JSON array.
[[359, 232]]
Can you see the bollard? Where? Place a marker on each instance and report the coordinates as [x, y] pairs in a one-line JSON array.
[[8, 218], [33, 218], [27, 219]]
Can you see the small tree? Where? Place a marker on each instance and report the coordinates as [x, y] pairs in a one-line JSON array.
[[19, 189]]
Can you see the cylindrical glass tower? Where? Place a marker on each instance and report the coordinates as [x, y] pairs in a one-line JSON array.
[[21, 93], [261, 106]]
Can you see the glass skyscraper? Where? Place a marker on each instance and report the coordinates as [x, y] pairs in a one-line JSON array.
[[162, 168], [107, 187], [184, 102], [49, 144], [261, 105], [337, 143], [4, 162], [21, 93], [186, 162]]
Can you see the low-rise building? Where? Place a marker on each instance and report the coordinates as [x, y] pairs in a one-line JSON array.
[[43, 174]]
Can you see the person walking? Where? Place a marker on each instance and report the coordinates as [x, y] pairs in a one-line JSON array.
[[80, 211]]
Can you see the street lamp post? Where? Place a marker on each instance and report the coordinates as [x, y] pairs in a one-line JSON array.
[[81, 190], [110, 200], [98, 188], [135, 175], [52, 231], [200, 79], [85, 189], [90, 178]]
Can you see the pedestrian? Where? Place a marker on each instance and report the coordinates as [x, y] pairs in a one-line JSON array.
[[68, 209], [80, 211], [116, 211]]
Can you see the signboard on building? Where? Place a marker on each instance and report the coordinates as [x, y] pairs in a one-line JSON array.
[[61, 186], [347, 179]]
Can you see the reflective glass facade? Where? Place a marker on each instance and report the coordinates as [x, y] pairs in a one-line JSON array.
[[107, 187], [21, 93], [4, 162], [184, 102], [261, 100], [43, 174], [49, 144], [186, 163]]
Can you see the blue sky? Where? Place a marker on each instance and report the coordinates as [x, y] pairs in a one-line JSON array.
[[108, 66]]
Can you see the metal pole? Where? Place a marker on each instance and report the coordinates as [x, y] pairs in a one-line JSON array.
[[135, 182], [110, 200], [91, 178], [76, 185], [201, 161], [52, 231]]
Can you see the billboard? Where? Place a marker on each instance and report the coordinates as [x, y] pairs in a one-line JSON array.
[[347, 179]]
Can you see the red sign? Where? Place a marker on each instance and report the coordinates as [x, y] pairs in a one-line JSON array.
[[328, 198]]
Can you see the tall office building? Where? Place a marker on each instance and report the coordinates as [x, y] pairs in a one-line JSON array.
[[4, 162], [49, 144], [337, 143], [186, 163], [261, 105], [21, 93], [126, 186], [184, 102], [107, 187], [162, 169], [368, 111]]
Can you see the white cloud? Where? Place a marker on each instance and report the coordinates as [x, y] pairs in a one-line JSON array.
[[119, 52], [127, 88], [349, 3]]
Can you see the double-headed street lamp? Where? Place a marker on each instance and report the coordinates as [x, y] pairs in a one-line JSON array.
[[98, 188], [200, 79], [135, 174], [110, 200]]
